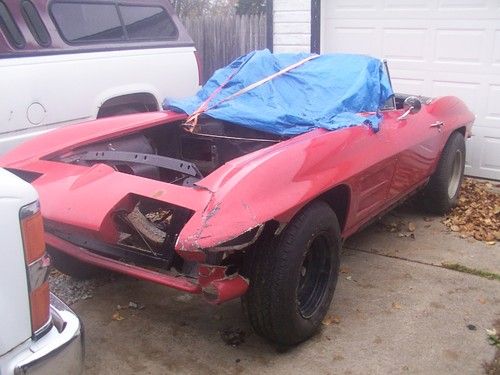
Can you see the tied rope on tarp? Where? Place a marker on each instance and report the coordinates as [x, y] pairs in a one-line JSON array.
[[290, 94]]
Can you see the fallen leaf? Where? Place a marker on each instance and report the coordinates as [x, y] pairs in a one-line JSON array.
[[349, 277], [411, 226], [396, 305], [482, 301], [490, 237], [490, 243], [455, 228], [332, 319], [116, 316], [491, 332], [344, 269]]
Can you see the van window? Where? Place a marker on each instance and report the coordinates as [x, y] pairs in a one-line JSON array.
[[35, 23], [147, 22], [88, 22], [10, 28]]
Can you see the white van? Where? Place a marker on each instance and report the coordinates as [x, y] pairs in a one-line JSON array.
[[67, 61]]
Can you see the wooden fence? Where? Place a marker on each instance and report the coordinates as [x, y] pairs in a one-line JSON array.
[[221, 39]]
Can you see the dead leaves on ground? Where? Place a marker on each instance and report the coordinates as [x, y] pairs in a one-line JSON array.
[[478, 212], [331, 319], [401, 227]]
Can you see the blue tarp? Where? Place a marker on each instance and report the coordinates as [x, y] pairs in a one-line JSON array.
[[327, 92]]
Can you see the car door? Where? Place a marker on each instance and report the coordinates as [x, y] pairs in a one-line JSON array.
[[371, 186], [419, 139]]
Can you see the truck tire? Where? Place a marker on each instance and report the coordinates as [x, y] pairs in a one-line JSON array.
[[71, 266], [442, 192], [293, 277]]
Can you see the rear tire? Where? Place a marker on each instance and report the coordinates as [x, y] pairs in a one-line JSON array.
[[442, 192], [71, 266], [293, 277]]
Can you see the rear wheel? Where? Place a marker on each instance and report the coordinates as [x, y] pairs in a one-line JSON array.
[[71, 266], [442, 192], [293, 277]]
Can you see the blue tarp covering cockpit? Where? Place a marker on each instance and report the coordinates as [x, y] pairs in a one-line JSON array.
[[329, 91]]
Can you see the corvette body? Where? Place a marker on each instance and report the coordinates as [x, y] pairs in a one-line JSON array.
[[140, 195]]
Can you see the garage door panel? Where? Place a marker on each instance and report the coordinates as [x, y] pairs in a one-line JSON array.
[[464, 90], [459, 46], [490, 158], [486, 156], [434, 48], [355, 40], [463, 4], [406, 4], [494, 102], [404, 44], [496, 48], [408, 86]]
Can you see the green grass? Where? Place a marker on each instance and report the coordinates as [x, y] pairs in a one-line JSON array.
[[473, 271]]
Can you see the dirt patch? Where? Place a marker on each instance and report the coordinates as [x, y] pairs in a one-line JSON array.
[[478, 212]]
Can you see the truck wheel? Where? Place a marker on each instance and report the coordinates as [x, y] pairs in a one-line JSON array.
[[442, 191], [293, 277], [71, 266]]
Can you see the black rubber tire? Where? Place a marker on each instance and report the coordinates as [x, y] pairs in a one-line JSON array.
[[435, 195], [272, 301], [71, 266]]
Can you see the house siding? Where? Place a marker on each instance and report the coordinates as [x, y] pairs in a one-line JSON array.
[[292, 25]]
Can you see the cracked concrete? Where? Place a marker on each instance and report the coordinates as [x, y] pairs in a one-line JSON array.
[[391, 316]]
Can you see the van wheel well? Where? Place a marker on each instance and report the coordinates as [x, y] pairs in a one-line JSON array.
[[461, 130], [338, 199], [126, 104]]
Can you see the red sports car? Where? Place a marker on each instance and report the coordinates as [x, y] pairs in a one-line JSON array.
[[227, 211]]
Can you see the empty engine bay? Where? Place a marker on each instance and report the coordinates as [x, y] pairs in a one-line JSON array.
[[172, 154], [147, 229]]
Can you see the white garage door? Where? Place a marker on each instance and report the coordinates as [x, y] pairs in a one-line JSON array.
[[434, 47]]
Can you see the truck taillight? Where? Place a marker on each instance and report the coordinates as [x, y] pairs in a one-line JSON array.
[[37, 262]]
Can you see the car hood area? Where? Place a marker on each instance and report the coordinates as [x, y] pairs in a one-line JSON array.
[[95, 193]]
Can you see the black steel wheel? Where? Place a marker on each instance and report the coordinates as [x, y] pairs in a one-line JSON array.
[[293, 277]]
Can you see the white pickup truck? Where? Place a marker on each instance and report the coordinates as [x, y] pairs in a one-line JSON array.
[[39, 334]]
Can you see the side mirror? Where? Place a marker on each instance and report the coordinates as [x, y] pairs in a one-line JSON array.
[[411, 106]]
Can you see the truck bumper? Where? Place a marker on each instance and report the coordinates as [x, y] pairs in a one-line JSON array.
[[59, 351]]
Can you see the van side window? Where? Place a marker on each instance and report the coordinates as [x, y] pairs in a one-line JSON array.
[[147, 23], [35, 23], [10, 28], [88, 22]]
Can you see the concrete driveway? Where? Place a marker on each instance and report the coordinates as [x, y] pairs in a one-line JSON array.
[[395, 311]]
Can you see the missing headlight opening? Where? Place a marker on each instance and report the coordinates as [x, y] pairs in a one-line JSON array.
[[151, 227]]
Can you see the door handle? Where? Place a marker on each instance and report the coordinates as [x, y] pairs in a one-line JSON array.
[[438, 125]]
